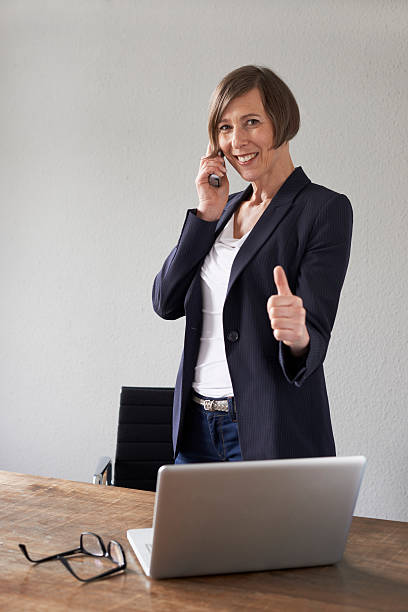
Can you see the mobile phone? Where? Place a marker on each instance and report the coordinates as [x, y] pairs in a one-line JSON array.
[[214, 179]]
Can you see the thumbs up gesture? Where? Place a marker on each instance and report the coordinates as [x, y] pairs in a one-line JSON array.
[[287, 315]]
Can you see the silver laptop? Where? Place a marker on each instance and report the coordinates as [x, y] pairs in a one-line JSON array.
[[245, 516]]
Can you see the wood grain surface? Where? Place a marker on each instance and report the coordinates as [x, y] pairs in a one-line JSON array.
[[48, 515]]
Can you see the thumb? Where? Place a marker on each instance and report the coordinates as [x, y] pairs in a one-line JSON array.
[[281, 281]]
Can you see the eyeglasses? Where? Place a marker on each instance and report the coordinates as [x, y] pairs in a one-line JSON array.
[[89, 544]]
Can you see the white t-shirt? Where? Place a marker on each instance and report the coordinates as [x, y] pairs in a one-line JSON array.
[[211, 377]]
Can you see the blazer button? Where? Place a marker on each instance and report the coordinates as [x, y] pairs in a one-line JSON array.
[[233, 336]]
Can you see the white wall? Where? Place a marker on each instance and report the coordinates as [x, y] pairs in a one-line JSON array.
[[103, 112]]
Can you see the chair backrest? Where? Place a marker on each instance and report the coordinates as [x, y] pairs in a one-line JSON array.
[[144, 441]]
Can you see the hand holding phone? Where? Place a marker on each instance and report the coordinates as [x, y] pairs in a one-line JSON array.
[[212, 185], [214, 179]]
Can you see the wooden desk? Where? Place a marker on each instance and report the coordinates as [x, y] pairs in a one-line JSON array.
[[48, 515]]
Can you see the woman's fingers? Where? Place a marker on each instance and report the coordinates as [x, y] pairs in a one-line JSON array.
[[285, 315], [210, 166], [284, 301], [279, 312], [287, 335], [288, 320], [217, 161], [286, 311], [286, 323]]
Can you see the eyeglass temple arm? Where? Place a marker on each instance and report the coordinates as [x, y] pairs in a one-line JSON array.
[[103, 472], [50, 558], [107, 573]]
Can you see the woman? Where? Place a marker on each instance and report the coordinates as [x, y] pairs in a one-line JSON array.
[[258, 275]]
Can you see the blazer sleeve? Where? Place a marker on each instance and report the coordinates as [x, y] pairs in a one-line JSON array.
[[319, 282], [172, 282]]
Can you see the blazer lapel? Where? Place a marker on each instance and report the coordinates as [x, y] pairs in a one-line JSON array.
[[277, 209], [231, 207]]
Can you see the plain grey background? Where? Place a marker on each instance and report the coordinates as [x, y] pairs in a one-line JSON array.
[[103, 112]]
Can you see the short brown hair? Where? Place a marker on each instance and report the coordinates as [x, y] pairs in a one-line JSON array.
[[278, 101]]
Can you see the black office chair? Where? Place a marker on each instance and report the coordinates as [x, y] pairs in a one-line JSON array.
[[144, 441]]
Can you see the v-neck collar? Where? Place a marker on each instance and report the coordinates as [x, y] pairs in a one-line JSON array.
[[269, 220]]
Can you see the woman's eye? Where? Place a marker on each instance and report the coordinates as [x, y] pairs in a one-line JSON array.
[[225, 126]]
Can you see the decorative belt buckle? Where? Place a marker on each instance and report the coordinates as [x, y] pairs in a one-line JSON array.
[[208, 403]]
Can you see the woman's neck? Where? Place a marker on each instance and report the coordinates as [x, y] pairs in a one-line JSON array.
[[264, 189]]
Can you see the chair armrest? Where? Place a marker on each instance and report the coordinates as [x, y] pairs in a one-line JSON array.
[[103, 472]]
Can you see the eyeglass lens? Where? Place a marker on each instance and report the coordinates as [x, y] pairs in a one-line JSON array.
[[116, 552], [92, 544]]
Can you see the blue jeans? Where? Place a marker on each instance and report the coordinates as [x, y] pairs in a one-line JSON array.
[[209, 436]]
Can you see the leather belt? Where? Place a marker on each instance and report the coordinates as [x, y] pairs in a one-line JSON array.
[[211, 404]]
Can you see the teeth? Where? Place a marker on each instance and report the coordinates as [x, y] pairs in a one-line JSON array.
[[244, 158]]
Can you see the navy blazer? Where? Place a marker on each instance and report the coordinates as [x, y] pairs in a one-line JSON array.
[[281, 402]]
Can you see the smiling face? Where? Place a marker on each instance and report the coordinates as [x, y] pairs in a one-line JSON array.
[[246, 137]]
